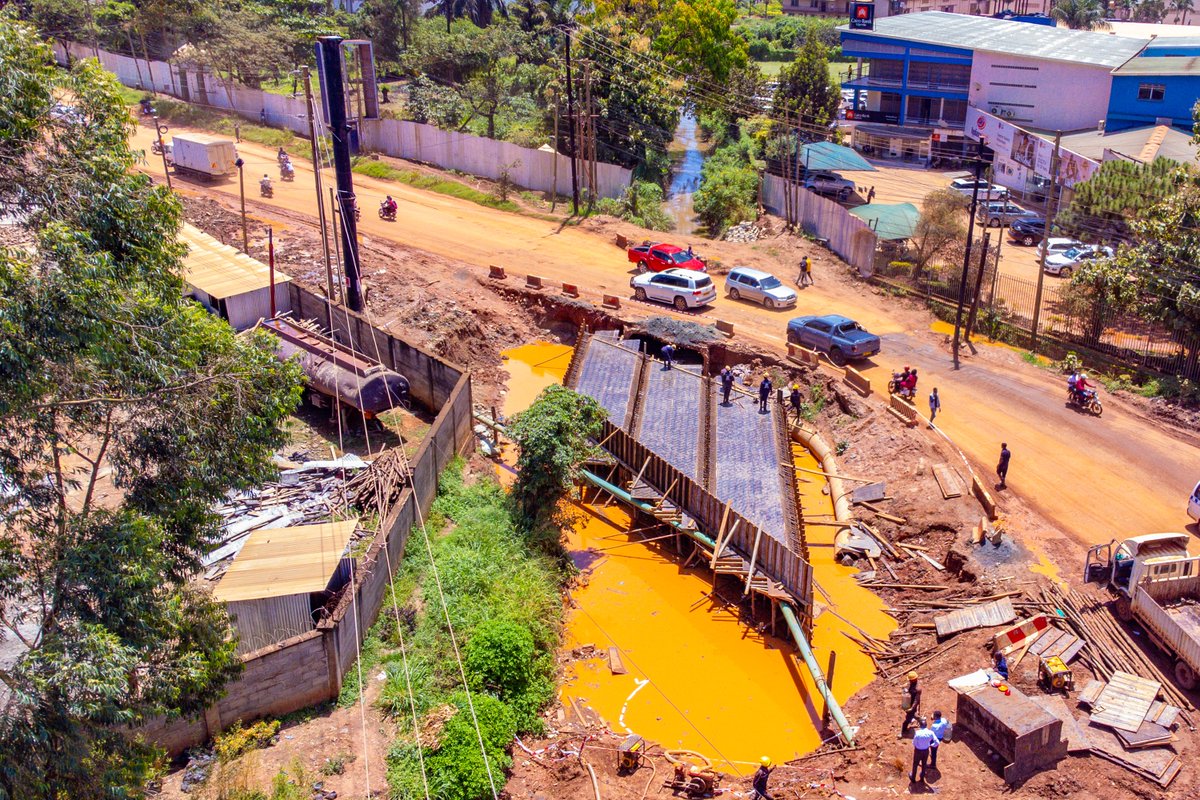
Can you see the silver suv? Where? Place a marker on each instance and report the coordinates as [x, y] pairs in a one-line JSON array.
[[761, 287], [682, 288], [825, 182], [987, 191], [1000, 212]]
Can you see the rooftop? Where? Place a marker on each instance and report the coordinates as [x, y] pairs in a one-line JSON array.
[[1161, 65], [1144, 144], [276, 562], [1006, 37], [219, 270]]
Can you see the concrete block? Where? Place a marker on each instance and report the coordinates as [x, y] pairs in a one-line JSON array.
[[857, 381], [570, 290], [610, 301], [533, 282], [724, 327], [496, 273]]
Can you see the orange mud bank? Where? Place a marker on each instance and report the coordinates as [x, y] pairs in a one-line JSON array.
[[702, 675]]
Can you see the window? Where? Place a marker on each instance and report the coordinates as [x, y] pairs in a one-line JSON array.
[[1151, 91]]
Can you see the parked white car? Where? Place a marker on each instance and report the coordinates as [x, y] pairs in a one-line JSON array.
[[987, 191], [1194, 504], [682, 288], [1058, 245], [1063, 264], [744, 283]]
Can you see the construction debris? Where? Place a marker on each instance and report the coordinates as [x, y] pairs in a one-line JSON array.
[[977, 615], [743, 233]]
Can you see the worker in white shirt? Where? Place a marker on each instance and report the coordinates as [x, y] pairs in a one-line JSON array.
[[924, 740]]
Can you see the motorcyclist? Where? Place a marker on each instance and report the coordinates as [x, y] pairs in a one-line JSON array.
[[1072, 384], [390, 205], [899, 379], [264, 185], [281, 156], [1082, 385], [910, 385], [286, 168]]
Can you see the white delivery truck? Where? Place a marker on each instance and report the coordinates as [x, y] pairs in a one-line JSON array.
[[202, 156], [1157, 583]]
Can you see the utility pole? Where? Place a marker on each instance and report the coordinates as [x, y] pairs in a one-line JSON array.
[[241, 165], [316, 160], [159, 130], [962, 286], [983, 254], [330, 48], [1051, 212], [571, 129], [557, 150]]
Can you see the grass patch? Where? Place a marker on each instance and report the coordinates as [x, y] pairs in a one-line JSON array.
[[432, 183], [771, 68], [188, 115]]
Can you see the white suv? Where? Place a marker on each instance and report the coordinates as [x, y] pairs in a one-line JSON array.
[[682, 288], [987, 191]]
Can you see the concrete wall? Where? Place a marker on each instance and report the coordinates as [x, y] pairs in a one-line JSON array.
[[1125, 110], [848, 236], [309, 668], [530, 168], [1051, 95]]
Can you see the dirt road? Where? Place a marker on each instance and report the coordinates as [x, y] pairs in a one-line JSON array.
[[1094, 478]]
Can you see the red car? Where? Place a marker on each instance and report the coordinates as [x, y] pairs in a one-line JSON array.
[[654, 257]]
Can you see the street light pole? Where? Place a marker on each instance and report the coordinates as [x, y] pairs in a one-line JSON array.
[[240, 164]]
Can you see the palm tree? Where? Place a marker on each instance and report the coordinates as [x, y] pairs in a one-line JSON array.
[[1080, 15], [1181, 9]]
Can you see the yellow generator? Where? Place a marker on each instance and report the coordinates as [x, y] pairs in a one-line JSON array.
[[630, 754], [1055, 675]]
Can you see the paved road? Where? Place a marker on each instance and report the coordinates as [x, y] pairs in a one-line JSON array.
[[1094, 478]]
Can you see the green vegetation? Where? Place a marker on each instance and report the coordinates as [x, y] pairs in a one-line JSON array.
[[501, 595], [728, 186], [193, 116], [237, 740], [641, 204], [1080, 15], [781, 38], [433, 183], [1102, 207], [105, 369]]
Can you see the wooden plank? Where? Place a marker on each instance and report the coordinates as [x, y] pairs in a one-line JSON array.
[[614, 662], [869, 493], [1090, 692], [1148, 735], [947, 481], [753, 560], [980, 615], [1072, 731], [1124, 702]]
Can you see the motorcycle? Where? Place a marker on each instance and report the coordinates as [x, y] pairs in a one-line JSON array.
[[1086, 400], [287, 172], [156, 147], [895, 386], [387, 212], [266, 190]]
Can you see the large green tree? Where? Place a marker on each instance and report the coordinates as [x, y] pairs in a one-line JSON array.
[[805, 90], [698, 39], [1080, 15], [127, 411], [1102, 207]]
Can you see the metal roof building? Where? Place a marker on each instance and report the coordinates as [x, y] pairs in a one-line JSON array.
[[230, 283], [281, 576]]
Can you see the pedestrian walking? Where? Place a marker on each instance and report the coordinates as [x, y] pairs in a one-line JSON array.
[[935, 405], [910, 701], [726, 385], [871, 195], [805, 278], [668, 354], [796, 400], [262, 117], [764, 394], [758, 784], [1002, 466], [924, 740], [941, 729], [237, 132]]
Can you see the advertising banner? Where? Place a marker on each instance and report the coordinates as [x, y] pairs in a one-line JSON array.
[[1026, 149]]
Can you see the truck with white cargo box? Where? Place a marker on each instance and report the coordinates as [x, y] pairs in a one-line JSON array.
[[1157, 583], [202, 156]]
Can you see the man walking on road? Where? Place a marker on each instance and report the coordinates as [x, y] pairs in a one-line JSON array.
[[1002, 467], [726, 385], [924, 740], [764, 394], [805, 278], [935, 405], [668, 354], [911, 702], [940, 727]]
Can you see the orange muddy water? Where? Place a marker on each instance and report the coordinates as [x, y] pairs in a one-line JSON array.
[[700, 677]]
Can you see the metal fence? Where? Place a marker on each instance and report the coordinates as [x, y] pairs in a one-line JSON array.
[[847, 235], [1007, 304]]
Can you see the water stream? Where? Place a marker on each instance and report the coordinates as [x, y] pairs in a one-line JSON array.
[[687, 160], [699, 676]]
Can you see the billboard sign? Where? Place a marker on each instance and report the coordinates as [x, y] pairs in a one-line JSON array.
[[1032, 153], [862, 16]]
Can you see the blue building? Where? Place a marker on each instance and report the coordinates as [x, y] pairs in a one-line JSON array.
[[1158, 87]]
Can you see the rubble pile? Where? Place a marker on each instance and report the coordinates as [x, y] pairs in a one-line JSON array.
[[743, 232]]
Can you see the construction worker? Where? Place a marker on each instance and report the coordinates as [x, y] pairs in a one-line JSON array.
[[924, 740], [726, 385], [941, 728], [758, 783], [796, 400], [1000, 664], [910, 701], [764, 394], [668, 354]]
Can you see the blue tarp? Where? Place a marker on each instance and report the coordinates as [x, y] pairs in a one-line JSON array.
[[827, 155], [890, 222]]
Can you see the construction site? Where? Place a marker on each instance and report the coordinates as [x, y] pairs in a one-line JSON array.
[[754, 580]]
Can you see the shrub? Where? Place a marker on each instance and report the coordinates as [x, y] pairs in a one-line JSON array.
[[499, 657], [728, 188], [238, 740], [641, 204], [456, 769]]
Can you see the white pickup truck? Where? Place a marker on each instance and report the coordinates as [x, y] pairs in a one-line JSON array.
[[1157, 583]]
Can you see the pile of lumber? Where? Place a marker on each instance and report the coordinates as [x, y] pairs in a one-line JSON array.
[[891, 661], [380, 485]]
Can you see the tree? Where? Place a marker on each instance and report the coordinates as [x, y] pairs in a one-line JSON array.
[[1181, 9], [697, 38], [481, 12], [942, 226], [1099, 291], [105, 370], [728, 187], [1080, 15], [805, 90], [552, 435], [389, 25], [488, 89], [1102, 206]]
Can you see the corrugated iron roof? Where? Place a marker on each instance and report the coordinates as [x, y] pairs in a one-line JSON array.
[[1007, 37], [276, 562], [221, 271], [1161, 65]]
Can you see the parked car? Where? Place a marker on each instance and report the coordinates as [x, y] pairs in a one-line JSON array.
[[1027, 230], [840, 337], [824, 182], [656, 256], [995, 213], [1063, 264], [987, 191], [682, 288], [1059, 244], [1194, 504], [761, 287]]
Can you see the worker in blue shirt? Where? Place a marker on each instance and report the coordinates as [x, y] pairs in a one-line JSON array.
[[1000, 664], [924, 740], [940, 726]]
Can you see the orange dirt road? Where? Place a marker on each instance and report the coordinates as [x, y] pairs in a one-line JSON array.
[[1094, 478]]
